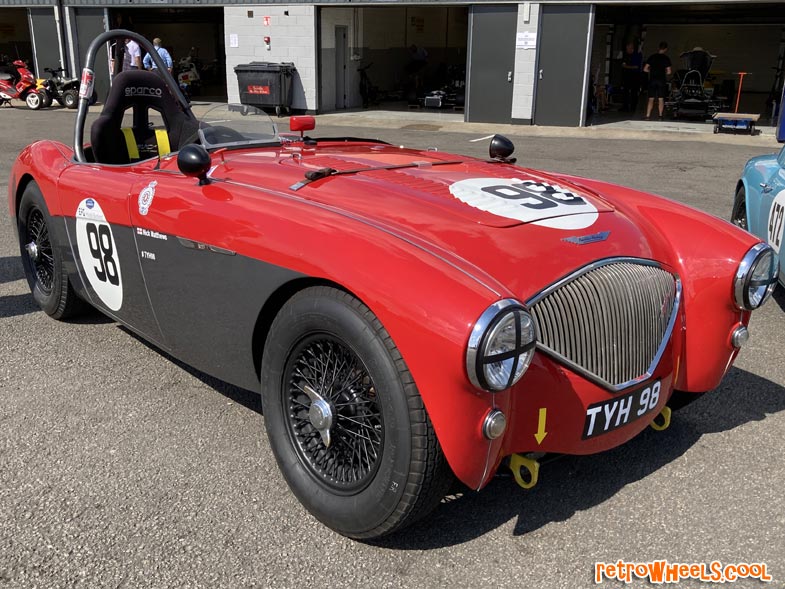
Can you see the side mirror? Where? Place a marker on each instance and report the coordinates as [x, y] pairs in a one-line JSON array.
[[501, 148], [194, 161], [301, 124]]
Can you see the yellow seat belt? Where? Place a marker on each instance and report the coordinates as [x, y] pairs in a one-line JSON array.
[[130, 143], [162, 139]]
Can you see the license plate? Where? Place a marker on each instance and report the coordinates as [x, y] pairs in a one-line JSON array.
[[607, 416]]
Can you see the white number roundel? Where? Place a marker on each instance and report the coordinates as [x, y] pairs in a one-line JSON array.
[[528, 201], [98, 253]]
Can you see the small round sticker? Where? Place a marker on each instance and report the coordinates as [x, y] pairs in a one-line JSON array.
[[776, 222], [98, 253], [146, 197], [529, 201]]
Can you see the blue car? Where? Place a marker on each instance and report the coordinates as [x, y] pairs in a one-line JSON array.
[[759, 205]]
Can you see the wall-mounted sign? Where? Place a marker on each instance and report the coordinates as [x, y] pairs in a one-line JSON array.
[[266, 21], [234, 40], [525, 40]]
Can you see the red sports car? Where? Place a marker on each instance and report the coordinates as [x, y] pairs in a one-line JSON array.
[[408, 316]]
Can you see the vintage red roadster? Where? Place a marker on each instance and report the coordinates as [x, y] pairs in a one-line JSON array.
[[408, 316]]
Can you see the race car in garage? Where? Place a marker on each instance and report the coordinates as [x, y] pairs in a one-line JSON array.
[[759, 203], [408, 316]]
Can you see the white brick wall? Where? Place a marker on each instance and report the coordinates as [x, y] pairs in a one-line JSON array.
[[525, 79], [292, 38]]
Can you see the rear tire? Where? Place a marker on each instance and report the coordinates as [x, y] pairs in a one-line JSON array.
[[34, 100], [42, 258], [383, 467], [739, 214]]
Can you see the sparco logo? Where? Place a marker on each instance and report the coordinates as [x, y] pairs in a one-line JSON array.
[[142, 91]]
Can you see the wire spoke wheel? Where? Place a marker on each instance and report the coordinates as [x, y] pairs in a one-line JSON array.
[[39, 248], [346, 458]]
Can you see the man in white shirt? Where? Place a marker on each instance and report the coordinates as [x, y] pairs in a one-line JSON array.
[[132, 57]]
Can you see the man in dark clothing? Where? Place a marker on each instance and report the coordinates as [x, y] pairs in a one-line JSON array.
[[658, 66], [631, 76]]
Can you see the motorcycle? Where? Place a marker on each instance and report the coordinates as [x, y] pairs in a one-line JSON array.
[[188, 77], [17, 82], [61, 88]]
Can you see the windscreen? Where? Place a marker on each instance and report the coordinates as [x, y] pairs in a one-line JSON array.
[[227, 125]]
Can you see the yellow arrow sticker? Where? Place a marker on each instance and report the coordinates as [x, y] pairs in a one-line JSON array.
[[541, 433]]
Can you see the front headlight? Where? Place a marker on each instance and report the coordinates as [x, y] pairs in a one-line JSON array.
[[756, 277], [501, 346]]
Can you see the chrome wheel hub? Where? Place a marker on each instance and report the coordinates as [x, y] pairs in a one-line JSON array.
[[320, 414], [32, 250]]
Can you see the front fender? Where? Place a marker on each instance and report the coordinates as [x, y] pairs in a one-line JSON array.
[[706, 253]]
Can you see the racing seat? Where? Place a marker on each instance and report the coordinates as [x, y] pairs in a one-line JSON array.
[[141, 91]]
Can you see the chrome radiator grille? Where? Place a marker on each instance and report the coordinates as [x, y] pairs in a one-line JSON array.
[[608, 321]]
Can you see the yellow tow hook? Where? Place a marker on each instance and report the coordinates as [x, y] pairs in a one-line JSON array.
[[666, 420], [518, 462]]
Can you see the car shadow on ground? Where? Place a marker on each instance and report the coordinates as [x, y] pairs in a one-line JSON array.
[[248, 399], [11, 269], [575, 483], [779, 296], [569, 484]]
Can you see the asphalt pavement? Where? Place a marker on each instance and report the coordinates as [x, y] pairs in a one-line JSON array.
[[120, 467]]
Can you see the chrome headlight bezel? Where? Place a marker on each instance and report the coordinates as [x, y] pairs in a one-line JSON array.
[[745, 282], [485, 333]]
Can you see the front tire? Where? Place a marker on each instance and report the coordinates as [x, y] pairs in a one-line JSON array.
[[739, 214], [345, 420], [71, 98], [42, 258]]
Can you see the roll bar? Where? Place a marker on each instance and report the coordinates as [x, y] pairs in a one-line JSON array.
[[87, 83]]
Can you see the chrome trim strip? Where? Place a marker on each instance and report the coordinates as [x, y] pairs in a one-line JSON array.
[[550, 313]]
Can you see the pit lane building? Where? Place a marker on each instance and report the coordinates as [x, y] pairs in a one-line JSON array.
[[518, 62]]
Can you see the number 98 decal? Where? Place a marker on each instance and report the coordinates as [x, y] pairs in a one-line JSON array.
[[98, 253], [541, 203]]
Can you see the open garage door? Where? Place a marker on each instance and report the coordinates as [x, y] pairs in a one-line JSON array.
[[392, 57], [15, 41], [194, 38], [743, 37]]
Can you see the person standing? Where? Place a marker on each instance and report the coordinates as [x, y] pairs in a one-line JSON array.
[[631, 76], [132, 56], [658, 66], [149, 64]]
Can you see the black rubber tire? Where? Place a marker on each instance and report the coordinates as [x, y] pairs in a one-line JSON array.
[[71, 98], [739, 213], [46, 99], [410, 476], [681, 399], [56, 297]]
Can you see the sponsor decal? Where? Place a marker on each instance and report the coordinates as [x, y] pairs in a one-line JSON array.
[[146, 197], [584, 239], [86, 83], [98, 254], [529, 201], [149, 233], [143, 91], [776, 222]]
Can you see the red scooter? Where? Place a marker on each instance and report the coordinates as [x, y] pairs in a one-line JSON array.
[[19, 82]]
